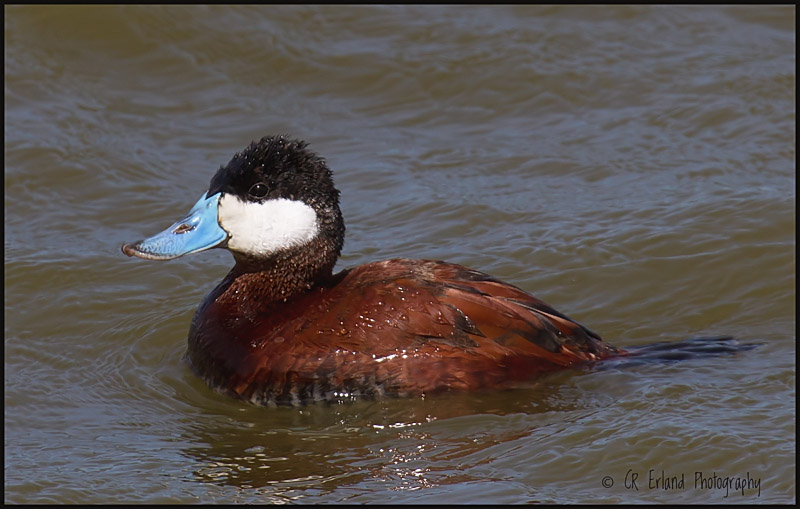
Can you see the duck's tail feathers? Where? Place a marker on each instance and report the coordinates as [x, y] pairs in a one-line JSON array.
[[674, 351]]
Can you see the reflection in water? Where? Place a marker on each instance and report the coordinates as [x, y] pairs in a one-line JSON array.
[[405, 444]]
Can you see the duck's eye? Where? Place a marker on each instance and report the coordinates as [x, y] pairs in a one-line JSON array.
[[258, 190]]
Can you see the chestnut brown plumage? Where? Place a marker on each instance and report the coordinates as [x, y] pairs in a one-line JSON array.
[[398, 327]]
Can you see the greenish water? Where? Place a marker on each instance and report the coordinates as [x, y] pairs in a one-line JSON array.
[[632, 166]]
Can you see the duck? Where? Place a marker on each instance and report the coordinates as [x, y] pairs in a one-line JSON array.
[[283, 328]]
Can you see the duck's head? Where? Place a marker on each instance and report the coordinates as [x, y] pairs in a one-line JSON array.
[[272, 199]]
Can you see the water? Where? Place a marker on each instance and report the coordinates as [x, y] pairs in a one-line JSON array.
[[632, 166]]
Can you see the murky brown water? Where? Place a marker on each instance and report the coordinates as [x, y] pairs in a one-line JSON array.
[[632, 166]]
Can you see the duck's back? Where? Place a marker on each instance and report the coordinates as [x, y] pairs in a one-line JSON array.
[[397, 327]]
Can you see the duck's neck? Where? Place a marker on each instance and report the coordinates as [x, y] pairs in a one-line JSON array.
[[256, 283]]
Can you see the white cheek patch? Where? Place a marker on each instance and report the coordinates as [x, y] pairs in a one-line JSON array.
[[264, 228]]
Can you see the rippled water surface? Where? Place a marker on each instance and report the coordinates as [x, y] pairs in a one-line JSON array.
[[632, 166]]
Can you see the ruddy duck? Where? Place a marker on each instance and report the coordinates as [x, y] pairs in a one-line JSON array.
[[281, 327]]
